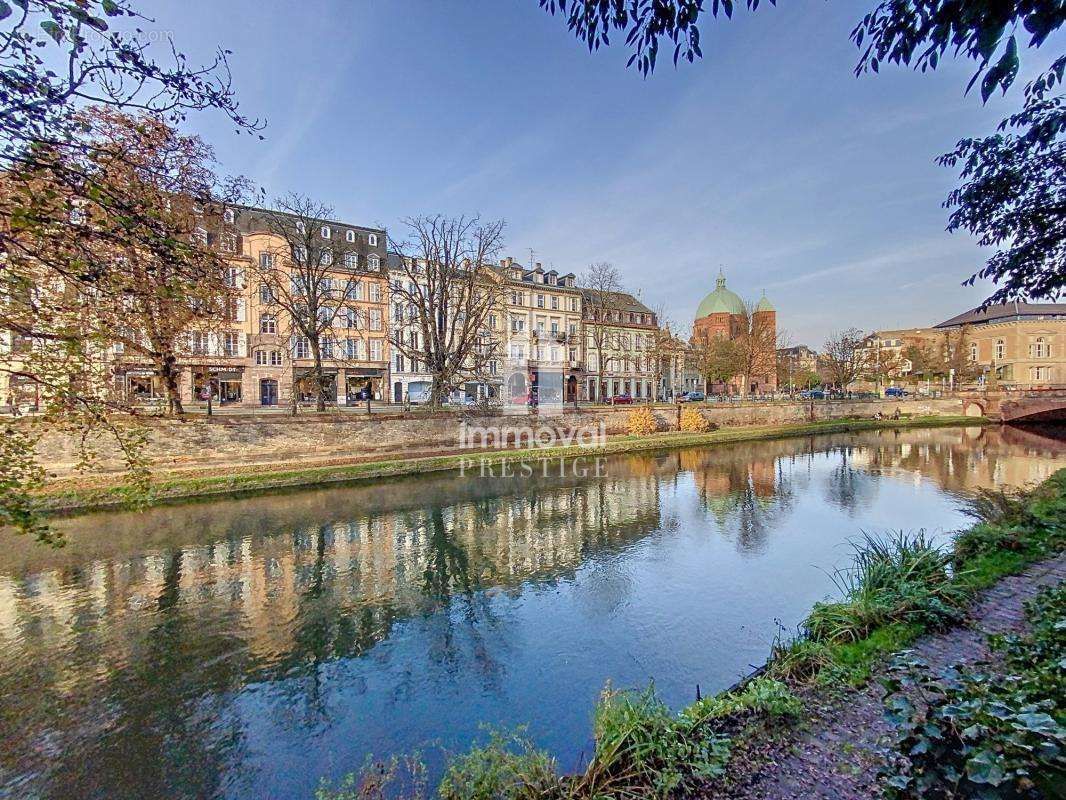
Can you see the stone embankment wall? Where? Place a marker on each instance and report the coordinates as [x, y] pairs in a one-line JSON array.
[[308, 438]]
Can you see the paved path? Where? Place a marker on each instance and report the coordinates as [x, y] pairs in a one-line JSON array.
[[836, 754]]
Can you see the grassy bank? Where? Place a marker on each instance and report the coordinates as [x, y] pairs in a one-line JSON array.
[[895, 590], [67, 496]]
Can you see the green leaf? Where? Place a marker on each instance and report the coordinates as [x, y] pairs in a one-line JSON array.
[[985, 768], [53, 30]]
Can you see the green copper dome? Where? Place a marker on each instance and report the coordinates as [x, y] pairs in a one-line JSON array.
[[764, 305], [720, 301]]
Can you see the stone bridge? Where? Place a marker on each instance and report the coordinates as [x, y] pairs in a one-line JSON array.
[[1042, 404]]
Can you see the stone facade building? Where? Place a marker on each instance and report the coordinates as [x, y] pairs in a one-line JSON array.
[[619, 340], [1015, 344], [252, 356]]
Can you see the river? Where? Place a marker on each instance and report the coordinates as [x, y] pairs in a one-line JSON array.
[[243, 648]]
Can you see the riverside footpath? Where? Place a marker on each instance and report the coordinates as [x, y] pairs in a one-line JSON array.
[[844, 739]]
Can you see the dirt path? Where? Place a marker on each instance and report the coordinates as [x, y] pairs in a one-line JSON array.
[[836, 753]]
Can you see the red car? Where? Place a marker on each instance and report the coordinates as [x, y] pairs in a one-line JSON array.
[[622, 400]]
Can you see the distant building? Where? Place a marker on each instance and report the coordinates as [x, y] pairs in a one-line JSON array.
[[625, 365], [723, 314]]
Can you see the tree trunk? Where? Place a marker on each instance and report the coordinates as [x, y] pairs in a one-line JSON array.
[[168, 371], [436, 398], [320, 387]]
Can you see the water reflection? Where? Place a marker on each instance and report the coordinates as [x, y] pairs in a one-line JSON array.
[[241, 648]]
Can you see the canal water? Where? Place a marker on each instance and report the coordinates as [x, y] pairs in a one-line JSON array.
[[244, 648]]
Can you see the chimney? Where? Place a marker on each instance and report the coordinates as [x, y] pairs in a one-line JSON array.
[[537, 265]]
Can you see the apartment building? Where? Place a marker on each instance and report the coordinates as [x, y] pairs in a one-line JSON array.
[[1014, 344], [541, 319], [252, 356], [618, 345]]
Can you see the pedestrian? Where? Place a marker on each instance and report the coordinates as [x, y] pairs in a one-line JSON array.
[[896, 414], [13, 405]]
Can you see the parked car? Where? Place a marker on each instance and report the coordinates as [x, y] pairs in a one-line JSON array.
[[813, 394], [693, 397], [622, 400], [895, 391]]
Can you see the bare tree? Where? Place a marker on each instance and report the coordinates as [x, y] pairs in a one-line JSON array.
[[756, 342], [663, 350], [845, 357], [602, 303], [450, 292], [717, 358], [310, 281]]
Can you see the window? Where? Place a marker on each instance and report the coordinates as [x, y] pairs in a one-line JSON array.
[[518, 351], [573, 304], [231, 275], [268, 358], [973, 352], [351, 260], [1039, 348], [301, 347], [266, 261], [227, 243], [397, 312], [227, 215], [327, 347], [199, 343], [375, 293], [375, 319], [353, 291], [555, 327], [492, 322], [573, 329], [265, 293], [375, 349], [555, 303], [540, 301], [372, 239], [399, 363], [326, 259], [373, 261], [518, 324], [1001, 349], [268, 323], [353, 349], [1038, 374], [299, 254], [200, 235], [514, 298], [326, 232], [349, 236], [231, 343], [300, 227]]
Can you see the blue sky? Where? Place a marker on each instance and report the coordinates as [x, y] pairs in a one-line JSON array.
[[768, 158]]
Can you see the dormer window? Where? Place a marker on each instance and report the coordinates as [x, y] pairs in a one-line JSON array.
[[326, 232], [349, 236], [300, 227], [227, 216], [200, 235], [373, 261], [372, 240]]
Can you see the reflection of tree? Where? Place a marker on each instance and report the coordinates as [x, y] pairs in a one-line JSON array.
[[847, 486], [447, 563], [168, 733]]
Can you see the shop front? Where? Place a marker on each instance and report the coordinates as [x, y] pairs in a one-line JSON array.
[[220, 383], [143, 387], [307, 391], [363, 383]]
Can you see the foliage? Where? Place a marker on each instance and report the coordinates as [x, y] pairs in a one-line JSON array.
[[899, 579], [976, 733], [644, 21], [381, 780], [761, 695], [51, 161], [644, 750], [692, 421], [508, 767], [20, 476], [718, 358], [1013, 195], [641, 422]]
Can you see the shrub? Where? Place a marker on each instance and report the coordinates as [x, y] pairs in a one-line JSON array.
[[644, 750], [692, 421], [903, 578], [641, 422], [976, 734], [508, 767]]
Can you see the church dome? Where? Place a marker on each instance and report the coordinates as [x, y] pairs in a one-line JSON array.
[[764, 305], [720, 301]]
